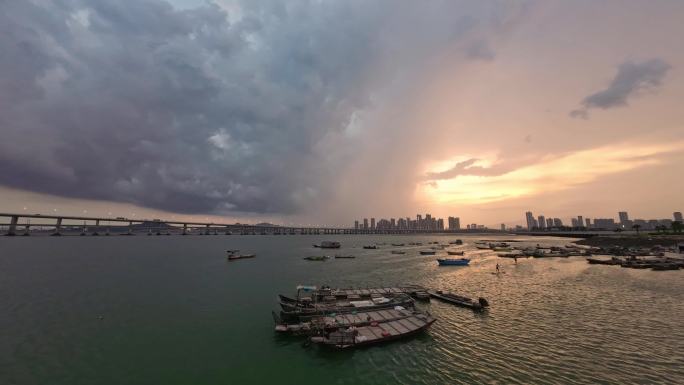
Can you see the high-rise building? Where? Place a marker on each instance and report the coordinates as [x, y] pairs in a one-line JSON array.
[[624, 217], [580, 221], [677, 216], [549, 223], [587, 222], [557, 222], [541, 222], [356, 225], [372, 223], [393, 224], [454, 223], [573, 222], [503, 227], [440, 224], [365, 223], [530, 220]]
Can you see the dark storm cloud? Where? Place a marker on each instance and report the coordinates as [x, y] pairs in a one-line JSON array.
[[631, 79], [198, 110]]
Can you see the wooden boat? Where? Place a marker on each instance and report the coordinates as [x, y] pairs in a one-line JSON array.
[[329, 245], [235, 255], [482, 245], [298, 311], [397, 244], [345, 256], [459, 300], [451, 252], [317, 258], [611, 261], [333, 322], [665, 266], [375, 333], [428, 252], [397, 252], [453, 261], [456, 242], [370, 247]]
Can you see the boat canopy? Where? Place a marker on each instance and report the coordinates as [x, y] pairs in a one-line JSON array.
[[306, 287]]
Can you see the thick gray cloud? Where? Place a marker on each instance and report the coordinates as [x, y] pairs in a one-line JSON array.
[[202, 110], [631, 79], [467, 167]]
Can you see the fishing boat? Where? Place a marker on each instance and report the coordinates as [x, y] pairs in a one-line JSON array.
[[333, 322], [397, 252], [345, 256], [428, 252], [459, 300], [397, 244], [611, 261], [370, 247], [235, 255], [482, 245], [452, 252], [317, 258], [456, 242], [375, 332], [329, 245], [299, 312], [453, 261]]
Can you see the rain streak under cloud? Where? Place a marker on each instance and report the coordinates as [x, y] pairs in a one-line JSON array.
[[329, 110]]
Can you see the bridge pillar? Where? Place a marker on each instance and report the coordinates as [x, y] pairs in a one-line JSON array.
[[185, 229], [97, 227], [12, 230], [130, 228], [58, 227], [26, 230], [228, 231]]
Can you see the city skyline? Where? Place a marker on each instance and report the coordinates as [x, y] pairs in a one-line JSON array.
[[222, 113]]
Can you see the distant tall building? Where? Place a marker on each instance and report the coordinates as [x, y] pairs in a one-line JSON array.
[[503, 227], [440, 224], [557, 222], [356, 225], [587, 222], [573, 222], [372, 223], [393, 223], [365, 223], [549, 223], [541, 221], [580, 221], [454, 223], [677, 216], [624, 217], [530, 220]]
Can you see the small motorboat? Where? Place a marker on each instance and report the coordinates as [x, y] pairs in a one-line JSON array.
[[328, 245], [235, 255], [460, 300], [317, 258], [370, 247], [428, 252], [397, 252], [345, 256], [456, 242], [452, 252], [397, 244], [453, 261]]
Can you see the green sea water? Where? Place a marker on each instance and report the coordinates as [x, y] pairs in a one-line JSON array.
[[171, 310]]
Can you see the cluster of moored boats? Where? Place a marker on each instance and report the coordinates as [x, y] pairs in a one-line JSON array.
[[540, 251], [347, 318], [634, 262]]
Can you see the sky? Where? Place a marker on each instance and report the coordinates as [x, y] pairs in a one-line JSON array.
[[324, 112]]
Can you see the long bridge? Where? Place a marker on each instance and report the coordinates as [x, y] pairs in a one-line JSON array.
[[21, 224]]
